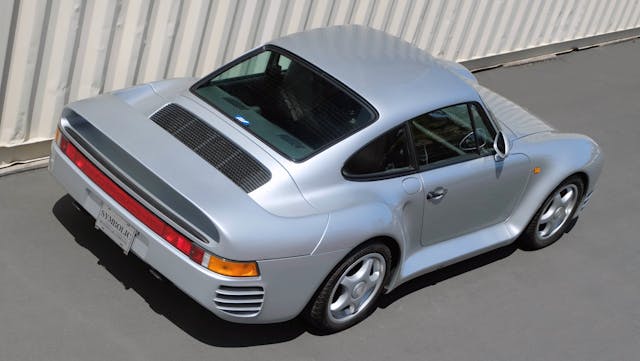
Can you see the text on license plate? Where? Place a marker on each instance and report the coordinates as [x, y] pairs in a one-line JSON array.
[[116, 227]]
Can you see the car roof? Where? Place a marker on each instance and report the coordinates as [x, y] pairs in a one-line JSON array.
[[397, 78]]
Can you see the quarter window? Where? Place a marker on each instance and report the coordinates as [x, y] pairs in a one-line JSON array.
[[385, 156]]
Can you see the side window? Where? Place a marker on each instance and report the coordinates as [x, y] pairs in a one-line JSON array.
[[386, 155], [450, 135], [284, 62]]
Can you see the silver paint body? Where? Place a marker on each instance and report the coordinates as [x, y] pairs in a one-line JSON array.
[[308, 217]]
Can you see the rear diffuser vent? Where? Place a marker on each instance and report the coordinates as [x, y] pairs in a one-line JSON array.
[[213, 147]]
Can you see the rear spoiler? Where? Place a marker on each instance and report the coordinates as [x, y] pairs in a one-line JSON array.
[[140, 181]]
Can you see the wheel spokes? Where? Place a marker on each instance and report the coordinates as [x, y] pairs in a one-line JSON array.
[[357, 287], [559, 208], [546, 216], [567, 199], [364, 271], [342, 302], [360, 275], [348, 282]]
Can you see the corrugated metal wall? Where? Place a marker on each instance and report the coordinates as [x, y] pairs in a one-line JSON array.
[[56, 51]]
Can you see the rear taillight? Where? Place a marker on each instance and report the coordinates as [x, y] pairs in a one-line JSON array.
[[58, 136], [153, 222]]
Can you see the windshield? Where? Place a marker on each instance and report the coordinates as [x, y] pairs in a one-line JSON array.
[[285, 103]]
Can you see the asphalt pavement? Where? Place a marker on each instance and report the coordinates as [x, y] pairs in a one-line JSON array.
[[68, 293]]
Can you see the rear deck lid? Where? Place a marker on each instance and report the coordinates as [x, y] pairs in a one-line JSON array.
[[205, 173]]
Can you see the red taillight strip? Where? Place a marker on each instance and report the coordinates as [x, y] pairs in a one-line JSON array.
[[134, 207]]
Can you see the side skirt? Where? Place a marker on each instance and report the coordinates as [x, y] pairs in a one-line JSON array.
[[445, 253]]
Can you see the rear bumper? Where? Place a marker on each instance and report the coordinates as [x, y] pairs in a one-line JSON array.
[[280, 292]]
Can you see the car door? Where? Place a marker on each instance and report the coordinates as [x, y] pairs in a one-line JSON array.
[[465, 187]]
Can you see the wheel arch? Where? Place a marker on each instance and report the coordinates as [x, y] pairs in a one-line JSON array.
[[396, 253], [519, 228], [555, 157], [583, 177], [530, 239], [388, 241]]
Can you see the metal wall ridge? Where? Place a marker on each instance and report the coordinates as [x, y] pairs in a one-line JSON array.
[[56, 51]]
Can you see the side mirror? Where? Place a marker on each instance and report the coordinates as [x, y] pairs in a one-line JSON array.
[[501, 146]]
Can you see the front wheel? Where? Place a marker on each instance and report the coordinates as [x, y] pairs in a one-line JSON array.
[[350, 292], [554, 217]]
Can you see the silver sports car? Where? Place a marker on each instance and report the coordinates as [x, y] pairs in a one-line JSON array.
[[316, 172]]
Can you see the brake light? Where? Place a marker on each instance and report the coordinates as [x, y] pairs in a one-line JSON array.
[[153, 222]]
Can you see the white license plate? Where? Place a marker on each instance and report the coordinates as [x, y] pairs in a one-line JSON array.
[[116, 227]]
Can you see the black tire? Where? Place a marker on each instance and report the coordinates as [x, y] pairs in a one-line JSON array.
[[531, 238], [318, 313]]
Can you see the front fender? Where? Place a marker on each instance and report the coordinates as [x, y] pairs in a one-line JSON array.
[[558, 156]]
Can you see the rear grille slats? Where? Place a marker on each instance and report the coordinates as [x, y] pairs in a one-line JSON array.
[[241, 311], [241, 308], [239, 301], [246, 302], [239, 293], [213, 147]]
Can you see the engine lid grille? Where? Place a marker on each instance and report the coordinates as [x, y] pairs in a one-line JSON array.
[[213, 147]]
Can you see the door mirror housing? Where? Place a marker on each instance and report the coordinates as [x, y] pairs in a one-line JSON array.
[[502, 146]]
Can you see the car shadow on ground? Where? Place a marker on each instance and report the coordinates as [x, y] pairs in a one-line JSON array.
[[446, 273], [166, 299]]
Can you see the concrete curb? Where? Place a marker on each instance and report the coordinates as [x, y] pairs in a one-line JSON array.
[[24, 166]]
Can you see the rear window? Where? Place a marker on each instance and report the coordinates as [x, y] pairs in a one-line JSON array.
[[285, 103]]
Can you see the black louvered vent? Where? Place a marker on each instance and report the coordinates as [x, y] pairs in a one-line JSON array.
[[213, 147]]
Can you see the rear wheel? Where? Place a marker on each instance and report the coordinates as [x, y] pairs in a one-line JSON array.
[[554, 217], [350, 293]]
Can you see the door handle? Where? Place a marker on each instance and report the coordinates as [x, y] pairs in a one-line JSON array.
[[437, 193]]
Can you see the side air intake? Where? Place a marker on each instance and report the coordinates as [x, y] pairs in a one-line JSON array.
[[239, 301]]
